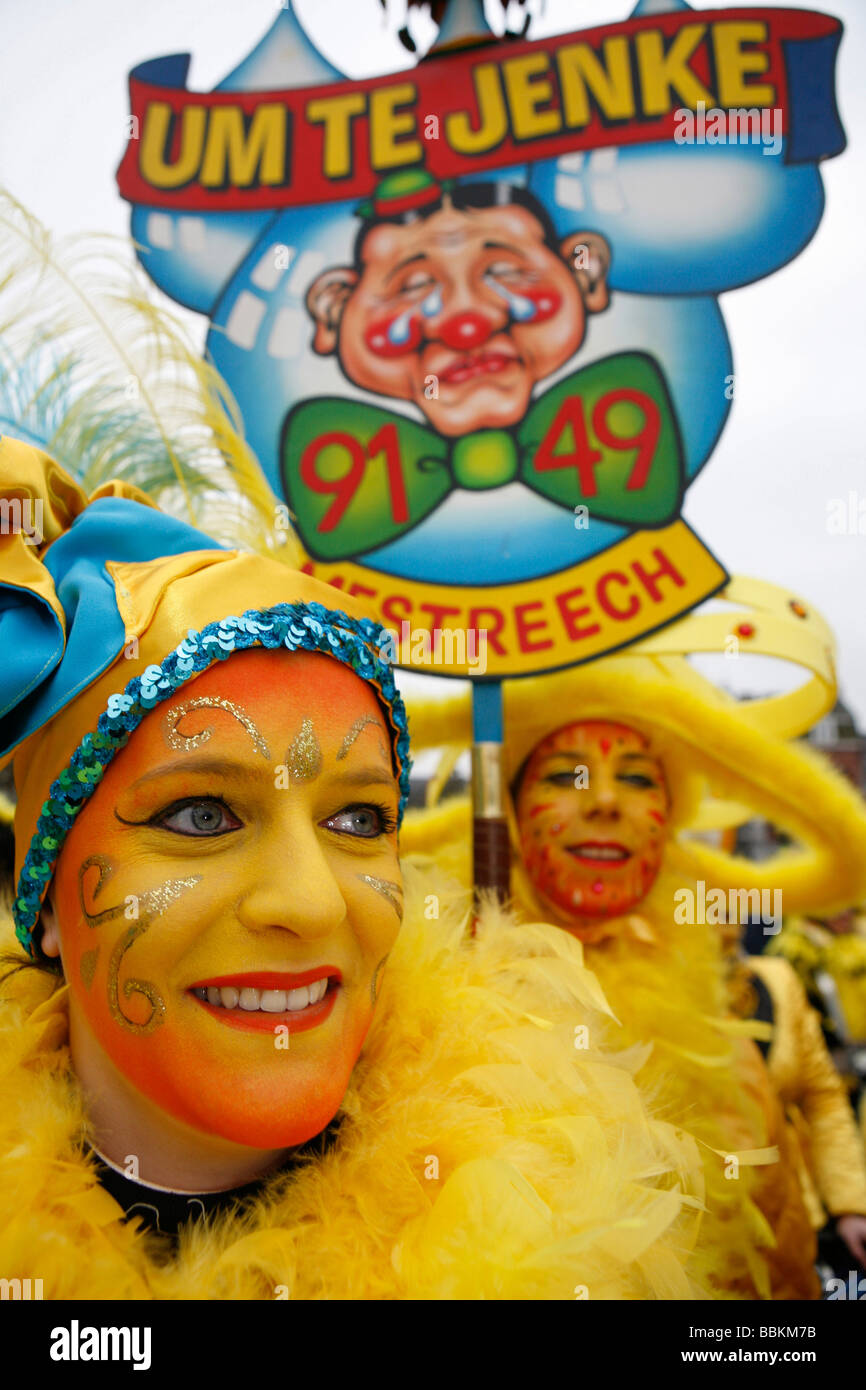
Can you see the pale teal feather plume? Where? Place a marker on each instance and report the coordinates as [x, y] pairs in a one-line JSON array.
[[108, 381]]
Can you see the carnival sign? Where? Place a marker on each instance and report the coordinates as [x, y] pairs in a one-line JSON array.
[[470, 311]]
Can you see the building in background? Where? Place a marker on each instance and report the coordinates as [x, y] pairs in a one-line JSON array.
[[843, 743]]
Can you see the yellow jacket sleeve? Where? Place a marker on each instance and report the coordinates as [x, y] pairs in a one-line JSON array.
[[803, 1073]]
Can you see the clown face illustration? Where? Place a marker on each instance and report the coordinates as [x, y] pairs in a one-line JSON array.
[[462, 306]]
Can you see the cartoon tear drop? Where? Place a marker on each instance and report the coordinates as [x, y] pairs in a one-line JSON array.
[[432, 304], [400, 328], [519, 307]]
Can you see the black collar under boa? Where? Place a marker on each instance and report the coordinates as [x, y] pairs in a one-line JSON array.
[[165, 1211], [490, 1146]]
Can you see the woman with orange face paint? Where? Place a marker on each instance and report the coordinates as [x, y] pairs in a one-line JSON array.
[[592, 847], [231, 1010], [190, 826], [597, 807], [592, 807]]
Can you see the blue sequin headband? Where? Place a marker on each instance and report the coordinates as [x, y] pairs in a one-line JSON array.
[[298, 626]]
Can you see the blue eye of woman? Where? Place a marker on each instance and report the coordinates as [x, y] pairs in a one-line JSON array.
[[200, 818], [560, 779], [365, 821]]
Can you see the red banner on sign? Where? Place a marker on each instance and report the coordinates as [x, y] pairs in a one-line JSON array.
[[622, 84]]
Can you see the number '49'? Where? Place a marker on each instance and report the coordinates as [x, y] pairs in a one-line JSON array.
[[583, 456]]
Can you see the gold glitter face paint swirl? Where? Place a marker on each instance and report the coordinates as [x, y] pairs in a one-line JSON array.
[[357, 728], [106, 869], [189, 741], [304, 757], [155, 901], [131, 986], [387, 890], [376, 982], [152, 904], [87, 966]]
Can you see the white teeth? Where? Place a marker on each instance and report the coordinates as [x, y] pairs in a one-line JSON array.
[[601, 852], [271, 1001]]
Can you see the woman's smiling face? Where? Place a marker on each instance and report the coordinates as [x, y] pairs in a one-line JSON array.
[[591, 811], [226, 901]]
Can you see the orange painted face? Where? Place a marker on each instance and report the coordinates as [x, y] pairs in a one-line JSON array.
[[227, 899], [591, 811]]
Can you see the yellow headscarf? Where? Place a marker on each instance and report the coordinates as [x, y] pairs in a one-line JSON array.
[[92, 638]]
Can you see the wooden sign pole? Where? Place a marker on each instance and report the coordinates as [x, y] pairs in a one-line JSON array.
[[490, 849]]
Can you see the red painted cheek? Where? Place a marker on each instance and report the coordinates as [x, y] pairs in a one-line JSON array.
[[657, 816], [547, 303], [394, 337]]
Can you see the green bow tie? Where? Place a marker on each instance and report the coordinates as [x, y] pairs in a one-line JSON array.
[[606, 437]]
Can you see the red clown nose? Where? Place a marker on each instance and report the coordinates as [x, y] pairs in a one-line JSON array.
[[465, 330]]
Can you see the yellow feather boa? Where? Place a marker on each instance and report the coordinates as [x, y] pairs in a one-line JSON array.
[[666, 984], [492, 1146]]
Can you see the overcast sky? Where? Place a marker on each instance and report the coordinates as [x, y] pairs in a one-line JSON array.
[[796, 437]]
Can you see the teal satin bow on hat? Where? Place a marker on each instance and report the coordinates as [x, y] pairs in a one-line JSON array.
[[358, 477]]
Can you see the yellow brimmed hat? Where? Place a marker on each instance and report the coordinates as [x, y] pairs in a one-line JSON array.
[[714, 754]]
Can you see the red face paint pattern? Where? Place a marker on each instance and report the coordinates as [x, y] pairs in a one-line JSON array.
[[593, 851]]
